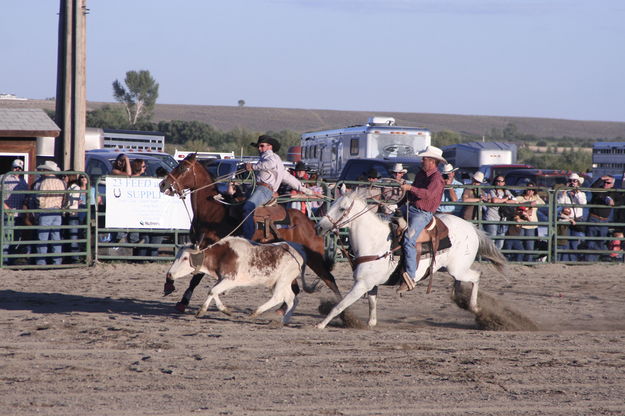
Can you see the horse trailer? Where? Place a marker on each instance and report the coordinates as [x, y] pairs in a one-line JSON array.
[[327, 151]]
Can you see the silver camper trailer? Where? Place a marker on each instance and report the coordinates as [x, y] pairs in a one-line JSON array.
[[327, 151]]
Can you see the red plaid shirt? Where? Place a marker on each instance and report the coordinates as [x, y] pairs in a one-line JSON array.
[[427, 190]]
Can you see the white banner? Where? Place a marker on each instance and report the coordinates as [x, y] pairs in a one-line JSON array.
[[137, 202]]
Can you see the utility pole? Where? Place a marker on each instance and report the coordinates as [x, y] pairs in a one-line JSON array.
[[71, 85]]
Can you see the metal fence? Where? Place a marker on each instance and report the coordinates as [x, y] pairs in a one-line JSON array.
[[88, 240]]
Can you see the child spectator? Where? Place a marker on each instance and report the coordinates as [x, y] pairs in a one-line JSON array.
[[615, 245]]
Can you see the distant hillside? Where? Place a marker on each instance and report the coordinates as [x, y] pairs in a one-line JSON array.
[[301, 120]]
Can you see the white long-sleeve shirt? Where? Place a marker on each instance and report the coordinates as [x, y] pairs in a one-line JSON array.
[[570, 197], [270, 170]]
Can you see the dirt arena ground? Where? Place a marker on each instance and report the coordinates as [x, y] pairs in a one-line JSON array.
[[104, 341]]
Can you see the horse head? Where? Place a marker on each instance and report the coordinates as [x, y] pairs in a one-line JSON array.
[[181, 177], [342, 211]]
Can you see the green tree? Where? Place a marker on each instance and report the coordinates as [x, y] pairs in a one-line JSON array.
[[445, 138], [138, 96], [108, 117]]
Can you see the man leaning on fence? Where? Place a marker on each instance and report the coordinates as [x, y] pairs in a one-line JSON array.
[[13, 181], [573, 196], [53, 203], [453, 191], [600, 215]]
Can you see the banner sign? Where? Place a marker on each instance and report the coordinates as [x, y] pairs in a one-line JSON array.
[[137, 202]]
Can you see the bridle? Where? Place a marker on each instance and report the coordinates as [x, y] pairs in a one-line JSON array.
[[343, 220], [175, 185]]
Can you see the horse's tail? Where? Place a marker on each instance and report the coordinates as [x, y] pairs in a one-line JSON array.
[[489, 251]]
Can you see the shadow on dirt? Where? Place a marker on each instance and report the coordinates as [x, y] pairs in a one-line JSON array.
[[47, 303]]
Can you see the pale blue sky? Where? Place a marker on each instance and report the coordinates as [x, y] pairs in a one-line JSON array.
[[542, 58]]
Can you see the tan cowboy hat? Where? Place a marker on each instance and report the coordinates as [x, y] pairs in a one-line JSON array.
[[49, 165], [575, 176], [398, 168], [448, 168], [433, 152], [478, 176]]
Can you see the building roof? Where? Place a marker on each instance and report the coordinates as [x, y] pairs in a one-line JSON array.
[[26, 122]]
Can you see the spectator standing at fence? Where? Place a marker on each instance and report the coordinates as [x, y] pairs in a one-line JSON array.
[[392, 195], [53, 203], [75, 201], [453, 191], [574, 196], [600, 215], [498, 195], [530, 199], [299, 172], [616, 247], [13, 181], [474, 196]]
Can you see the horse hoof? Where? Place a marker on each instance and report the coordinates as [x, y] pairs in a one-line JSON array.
[[320, 326], [199, 314], [181, 307], [169, 287]]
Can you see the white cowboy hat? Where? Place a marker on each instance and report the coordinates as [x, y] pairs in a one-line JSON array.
[[433, 152], [49, 165], [448, 168], [575, 176], [478, 176], [398, 167]]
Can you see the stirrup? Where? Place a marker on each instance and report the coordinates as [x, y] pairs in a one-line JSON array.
[[407, 284]]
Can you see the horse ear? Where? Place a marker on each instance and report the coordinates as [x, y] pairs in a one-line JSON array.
[[340, 190]]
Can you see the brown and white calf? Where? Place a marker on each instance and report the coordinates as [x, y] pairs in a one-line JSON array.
[[237, 262]]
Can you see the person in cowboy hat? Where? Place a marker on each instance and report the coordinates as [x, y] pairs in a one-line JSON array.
[[12, 182], [270, 173], [574, 197], [473, 195], [51, 204], [424, 197], [452, 193]]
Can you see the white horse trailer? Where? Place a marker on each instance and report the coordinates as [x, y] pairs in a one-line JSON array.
[[327, 151]]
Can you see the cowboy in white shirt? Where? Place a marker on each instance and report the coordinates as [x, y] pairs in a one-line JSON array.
[[270, 173]]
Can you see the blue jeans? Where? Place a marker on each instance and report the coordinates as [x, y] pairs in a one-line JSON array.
[[596, 231], [45, 220], [529, 244], [574, 244], [260, 196], [417, 221]]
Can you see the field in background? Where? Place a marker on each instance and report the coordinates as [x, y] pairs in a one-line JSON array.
[[262, 119]]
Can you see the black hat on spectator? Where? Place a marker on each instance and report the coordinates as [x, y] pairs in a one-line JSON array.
[[269, 140], [300, 166]]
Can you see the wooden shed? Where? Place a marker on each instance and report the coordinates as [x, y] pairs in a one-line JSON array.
[[26, 133]]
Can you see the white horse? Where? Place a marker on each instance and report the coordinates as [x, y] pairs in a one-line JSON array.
[[369, 235]]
